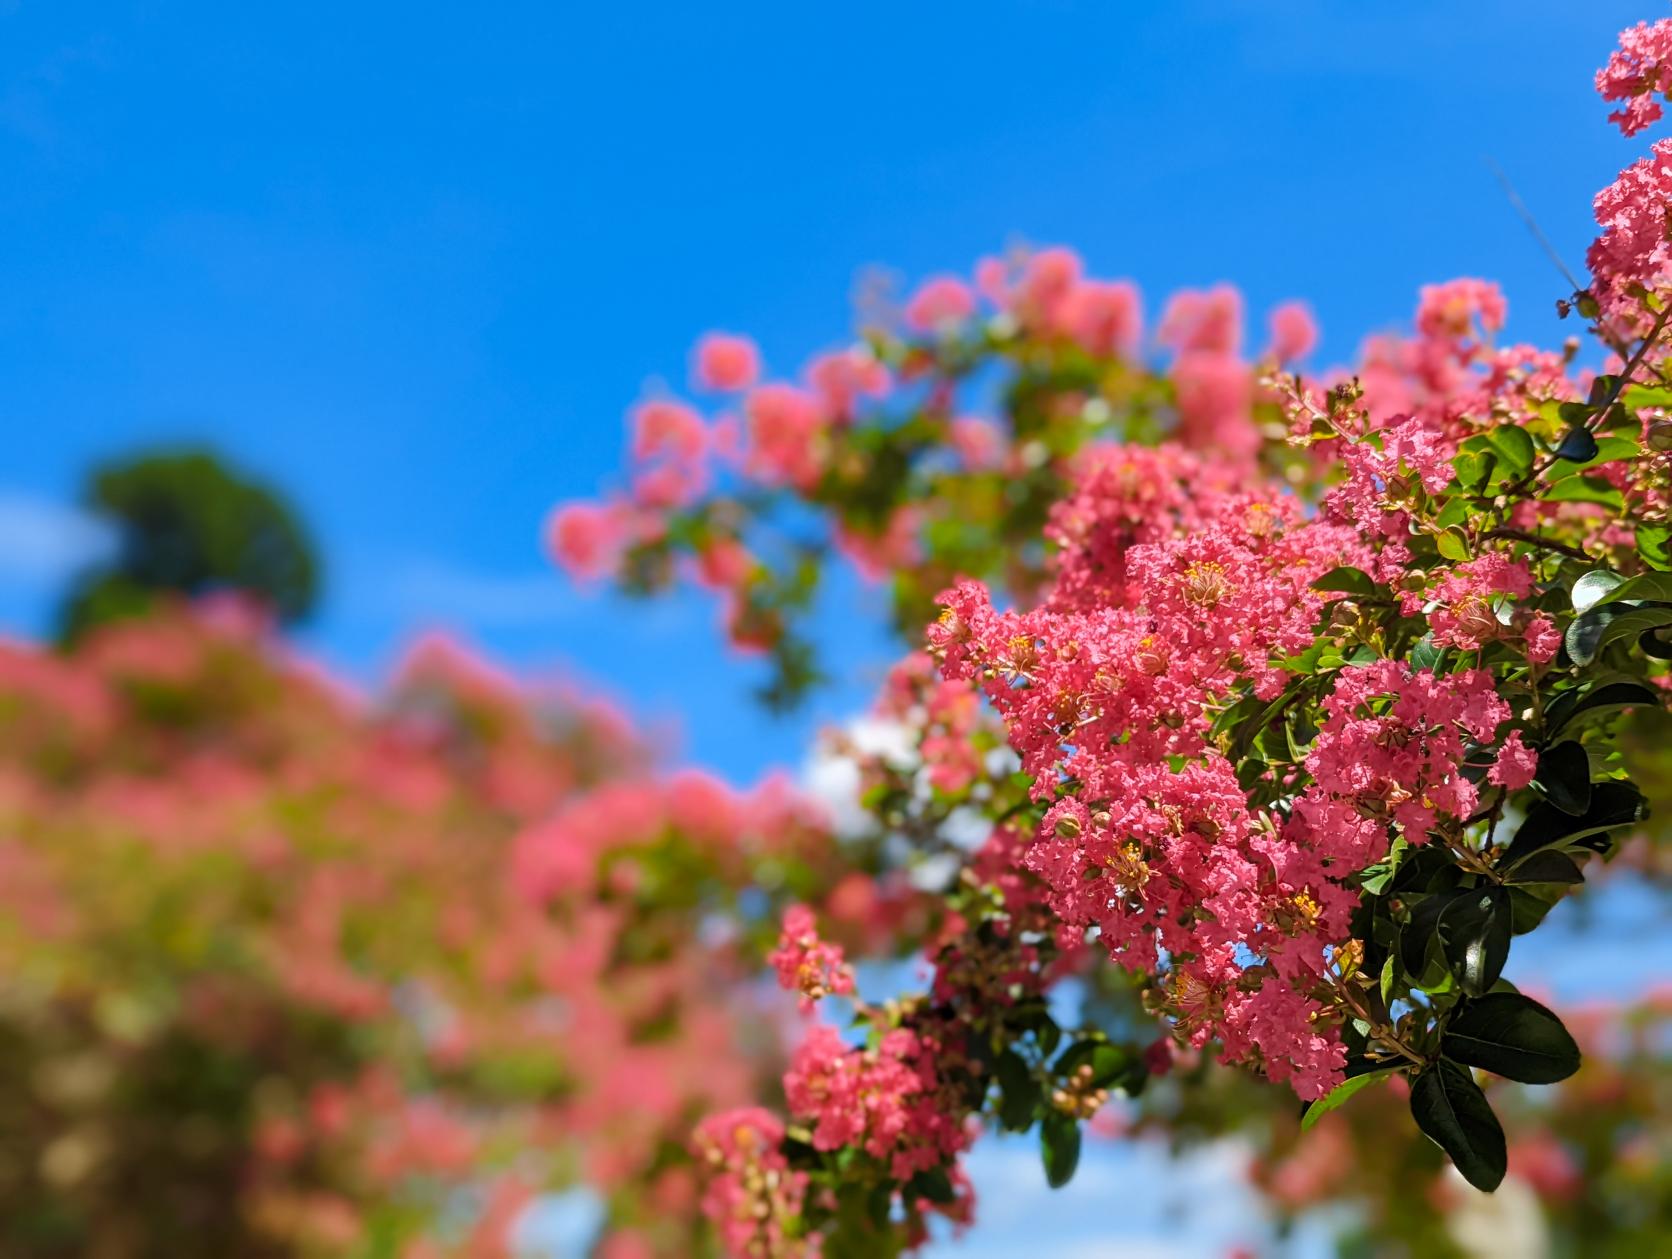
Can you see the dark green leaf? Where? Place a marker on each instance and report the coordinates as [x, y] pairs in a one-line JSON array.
[[1578, 446], [1414, 935], [1646, 588], [935, 1185], [1059, 1146], [1474, 931], [1550, 866], [1634, 623], [1338, 1095], [1613, 805], [1453, 1113], [1564, 776], [1584, 635], [1019, 1092], [1512, 1036], [1570, 704]]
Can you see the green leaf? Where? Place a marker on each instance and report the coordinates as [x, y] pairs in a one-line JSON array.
[[1613, 805], [1615, 448], [1644, 588], [1453, 544], [1340, 1094], [1583, 489], [1425, 654], [1651, 545], [1453, 1113], [1584, 635], [1590, 589], [1059, 1147], [1570, 704], [1019, 1092], [1346, 580], [1515, 448], [1512, 1036], [935, 1185], [1564, 776], [1388, 977], [1474, 931], [1414, 935], [1633, 624], [1552, 866], [1578, 446]]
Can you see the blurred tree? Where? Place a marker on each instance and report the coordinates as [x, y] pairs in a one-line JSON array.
[[187, 523]]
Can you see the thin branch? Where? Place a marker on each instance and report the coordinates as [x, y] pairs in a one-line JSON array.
[[1520, 207], [1539, 540]]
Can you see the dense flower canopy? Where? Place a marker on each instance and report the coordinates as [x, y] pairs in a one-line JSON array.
[[1318, 688]]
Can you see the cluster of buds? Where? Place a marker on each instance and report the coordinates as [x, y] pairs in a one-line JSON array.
[[1077, 1097]]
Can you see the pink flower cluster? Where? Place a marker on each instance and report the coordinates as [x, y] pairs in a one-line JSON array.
[[751, 1195], [1633, 254], [1637, 72], [1391, 750], [1109, 691], [805, 963], [1473, 606], [885, 1100]]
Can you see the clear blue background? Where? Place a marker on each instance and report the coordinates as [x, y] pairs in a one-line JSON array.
[[413, 261]]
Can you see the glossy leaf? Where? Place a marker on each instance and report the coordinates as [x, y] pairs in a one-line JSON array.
[[1591, 588], [1646, 588], [1550, 866], [1512, 1036], [1571, 704], [1613, 805], [1578, 445], [1564, 776], [1453, 1113], [1474, 930]]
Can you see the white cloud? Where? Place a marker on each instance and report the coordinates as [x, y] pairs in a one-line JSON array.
[[43, 542]]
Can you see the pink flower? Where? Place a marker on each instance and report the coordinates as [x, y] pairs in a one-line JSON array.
[[1208, 321], [585, 538], [1637, 72], [1516, 766], [979, 442], [1543, 639], [752, 1196], [726, 363], [1470, 596], [1451, 310], [1633, 249], [785, 425], [1215, 395], [1294, 332], [940, 302], [841, 378], [669, 429], [1104, 317], [807, 964]]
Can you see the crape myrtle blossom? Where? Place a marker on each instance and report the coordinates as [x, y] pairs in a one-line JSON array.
[[1315, 684], [461, 922], [806, 964], [1638, 71]]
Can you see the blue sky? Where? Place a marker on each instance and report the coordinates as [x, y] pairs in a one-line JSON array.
[[413, 262]]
